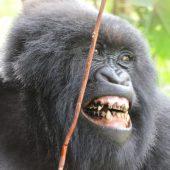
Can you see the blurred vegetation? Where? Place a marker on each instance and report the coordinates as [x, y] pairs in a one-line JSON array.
[[152, 17], [8, 10]]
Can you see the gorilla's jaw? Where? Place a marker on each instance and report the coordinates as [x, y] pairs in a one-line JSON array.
[[110, 115]]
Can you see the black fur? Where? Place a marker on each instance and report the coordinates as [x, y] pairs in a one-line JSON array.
[[41, 75]]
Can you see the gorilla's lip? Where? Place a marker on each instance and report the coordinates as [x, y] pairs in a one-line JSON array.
[[109, 111]]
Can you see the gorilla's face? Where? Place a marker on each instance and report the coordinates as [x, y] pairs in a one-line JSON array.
[[111, 93]]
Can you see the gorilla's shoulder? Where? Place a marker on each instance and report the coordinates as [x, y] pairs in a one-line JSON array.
[[160, 150]]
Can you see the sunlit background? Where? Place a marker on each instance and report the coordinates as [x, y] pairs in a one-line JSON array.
[[152, 17]]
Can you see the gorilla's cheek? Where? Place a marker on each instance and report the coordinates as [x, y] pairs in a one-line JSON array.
[[107, 104]]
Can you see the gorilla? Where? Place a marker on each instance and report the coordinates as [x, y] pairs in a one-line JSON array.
[[124, 121]]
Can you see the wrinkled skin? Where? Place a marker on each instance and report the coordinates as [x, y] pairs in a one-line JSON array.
[[41, 74]]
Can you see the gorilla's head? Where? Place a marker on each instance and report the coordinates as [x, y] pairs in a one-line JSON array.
[[47, 53]]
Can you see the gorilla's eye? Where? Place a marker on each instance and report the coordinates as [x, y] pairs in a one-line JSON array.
[[125, 59], [96, 51], [99, 49]]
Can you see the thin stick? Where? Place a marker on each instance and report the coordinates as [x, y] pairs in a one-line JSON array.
[[83, 87]]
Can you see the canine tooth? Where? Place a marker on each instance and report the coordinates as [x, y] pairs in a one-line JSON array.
[[108, 115]]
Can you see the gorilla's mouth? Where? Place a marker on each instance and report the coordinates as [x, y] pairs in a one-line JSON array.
[[109, 111]]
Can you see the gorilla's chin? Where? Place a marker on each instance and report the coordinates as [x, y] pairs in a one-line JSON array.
[[109, 114]]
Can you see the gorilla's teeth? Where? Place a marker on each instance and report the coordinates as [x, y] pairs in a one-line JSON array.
[[113, 102], [113, 113], [119, 115], [103, 114], [108, 115], [110, 106], [99, 108], [127, 106], [123, 107], [128, 118], [116, 105], [94, 107], [126, 113]]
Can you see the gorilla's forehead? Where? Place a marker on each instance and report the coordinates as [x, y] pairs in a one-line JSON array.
[[114, 31], [117, 32]]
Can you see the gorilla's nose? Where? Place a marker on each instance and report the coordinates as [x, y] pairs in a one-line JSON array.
[[109, 75]]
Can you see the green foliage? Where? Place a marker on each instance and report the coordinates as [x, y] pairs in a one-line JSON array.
[[8, 10], [9, 7]]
